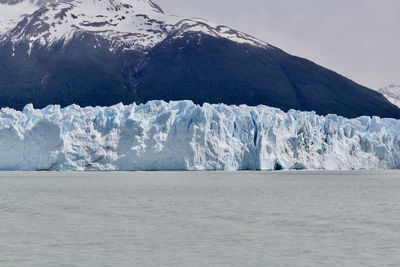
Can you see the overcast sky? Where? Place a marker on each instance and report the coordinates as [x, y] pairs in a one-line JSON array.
[[357, 38]]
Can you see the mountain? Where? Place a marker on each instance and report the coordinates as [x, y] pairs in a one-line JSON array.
[[392, 93], [98, 52]]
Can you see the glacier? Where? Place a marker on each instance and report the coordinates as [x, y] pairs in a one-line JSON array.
[[180, 135]]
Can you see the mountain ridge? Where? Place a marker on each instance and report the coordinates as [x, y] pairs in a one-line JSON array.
[[130, 24]]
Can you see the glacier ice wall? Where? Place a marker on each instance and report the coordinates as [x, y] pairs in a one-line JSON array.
[[183, 136]]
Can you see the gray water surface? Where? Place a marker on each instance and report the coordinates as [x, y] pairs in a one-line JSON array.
[[200, 219]]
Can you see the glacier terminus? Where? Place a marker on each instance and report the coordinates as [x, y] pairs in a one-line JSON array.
[[180, 135]]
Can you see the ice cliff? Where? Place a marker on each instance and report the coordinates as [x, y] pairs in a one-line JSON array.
[[183, 136]]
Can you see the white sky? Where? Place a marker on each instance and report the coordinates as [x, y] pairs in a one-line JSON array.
[[357, 38]]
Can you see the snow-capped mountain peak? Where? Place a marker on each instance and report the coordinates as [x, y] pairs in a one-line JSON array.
[[392, 93], [126, 24]]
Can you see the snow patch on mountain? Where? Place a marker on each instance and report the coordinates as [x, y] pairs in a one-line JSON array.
[[392, 93], [10, 15], [127, 24], [184, 136]]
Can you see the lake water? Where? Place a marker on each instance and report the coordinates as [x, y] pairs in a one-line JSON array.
[[200, 219]]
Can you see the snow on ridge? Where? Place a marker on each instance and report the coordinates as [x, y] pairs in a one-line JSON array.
[[10, 15], [392, 93], [180, 135], [128, 24]]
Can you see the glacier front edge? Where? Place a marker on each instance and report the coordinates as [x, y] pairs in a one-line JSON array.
[[180, 135]]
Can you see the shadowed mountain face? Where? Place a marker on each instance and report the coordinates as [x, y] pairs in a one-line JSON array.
[[206, 69], [173, 60]]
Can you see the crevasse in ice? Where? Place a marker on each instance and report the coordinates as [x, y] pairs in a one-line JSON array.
[[183, 136]]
